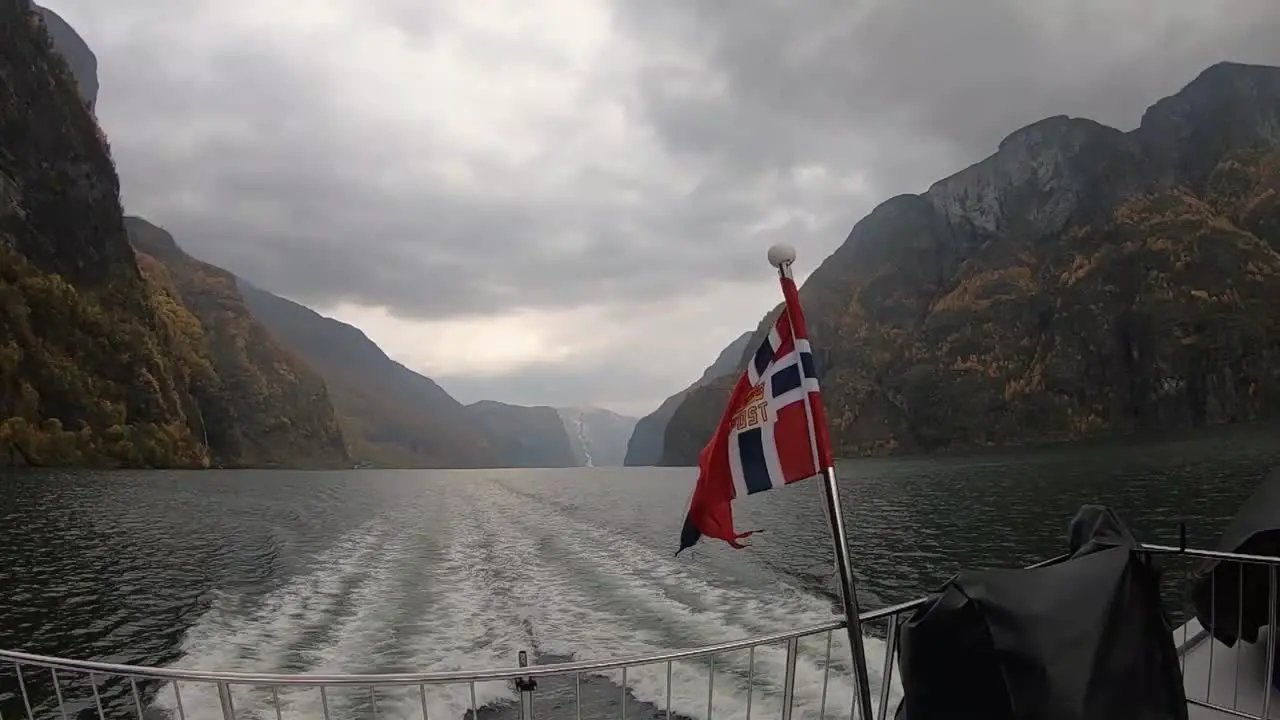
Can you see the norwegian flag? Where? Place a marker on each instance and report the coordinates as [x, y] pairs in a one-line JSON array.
[[773, 432]]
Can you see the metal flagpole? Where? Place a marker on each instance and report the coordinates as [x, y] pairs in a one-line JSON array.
[[781, 257]]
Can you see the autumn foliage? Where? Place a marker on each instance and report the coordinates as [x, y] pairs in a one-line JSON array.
[[1081, 282], [99, 364]]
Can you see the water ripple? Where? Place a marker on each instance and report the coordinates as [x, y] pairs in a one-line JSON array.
[[397, 571]]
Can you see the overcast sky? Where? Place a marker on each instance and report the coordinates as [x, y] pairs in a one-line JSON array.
[[568, 202]]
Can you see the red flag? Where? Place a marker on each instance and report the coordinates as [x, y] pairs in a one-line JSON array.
[[773, 431]]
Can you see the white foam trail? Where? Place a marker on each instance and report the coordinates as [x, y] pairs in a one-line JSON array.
[[510, 564], [648, 580], [272, 637], [225, 639]]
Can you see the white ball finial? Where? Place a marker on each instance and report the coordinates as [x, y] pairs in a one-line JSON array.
[[781, 254]]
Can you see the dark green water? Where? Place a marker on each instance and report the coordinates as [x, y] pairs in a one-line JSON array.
[[369, 571]]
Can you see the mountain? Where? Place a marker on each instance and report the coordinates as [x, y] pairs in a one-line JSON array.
[[272, 410], [646, 443], [98, 365], [525, 436], [598, 437], [76, 52], [390, 415], [394, 417], [1080, 282]]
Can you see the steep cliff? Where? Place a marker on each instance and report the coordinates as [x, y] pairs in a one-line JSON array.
[[598, 437], [1079, 282], [390, 415], [76, 52], [645, 447], [87, 374], [525, 436], [262, 407]]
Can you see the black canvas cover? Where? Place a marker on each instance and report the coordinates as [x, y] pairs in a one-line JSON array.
[[1216, 585], [1083, 639]]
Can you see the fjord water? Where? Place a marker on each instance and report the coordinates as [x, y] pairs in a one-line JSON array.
[[378, 571]]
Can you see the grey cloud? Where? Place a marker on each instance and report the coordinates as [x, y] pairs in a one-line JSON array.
[[912, 89], [255, 165], [415, 19]]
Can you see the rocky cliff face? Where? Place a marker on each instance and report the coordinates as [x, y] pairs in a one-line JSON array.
[[85, 343], [525, 436], [645, 446], [107, 357], [261, 406], [76, 52], [1079, 282], [598, 437], [390, 415], [87, 374]]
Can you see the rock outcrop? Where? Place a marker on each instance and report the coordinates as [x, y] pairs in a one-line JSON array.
[[1080, 282], [76, 52]]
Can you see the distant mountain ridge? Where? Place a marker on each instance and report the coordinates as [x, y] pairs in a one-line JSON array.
[[644, 448], [598, 436], [395, 417], [1079, 282], [391, 415], [526, 436]]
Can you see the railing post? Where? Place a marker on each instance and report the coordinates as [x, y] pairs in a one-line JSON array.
[[1271, 640], [789, 680], [224, 698], [848, 597], [781, 257], [886, 679], [526, 686]]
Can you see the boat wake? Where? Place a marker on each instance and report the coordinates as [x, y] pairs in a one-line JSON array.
[[465, 580]]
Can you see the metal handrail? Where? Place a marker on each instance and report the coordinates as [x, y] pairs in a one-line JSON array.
[[524, 674], [462, 676], [1209, 554], [428, 678], [455, 676]]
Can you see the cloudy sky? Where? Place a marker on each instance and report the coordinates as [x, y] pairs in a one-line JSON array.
[[568, 202]]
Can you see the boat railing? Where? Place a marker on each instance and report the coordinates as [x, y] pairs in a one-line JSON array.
[[801, 673], [1230, 681]]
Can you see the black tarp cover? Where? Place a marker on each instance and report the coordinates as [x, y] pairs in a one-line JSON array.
[[1085, 638], [1216, 585]]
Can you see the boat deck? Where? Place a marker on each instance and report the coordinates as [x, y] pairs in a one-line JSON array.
[[1229, 679]]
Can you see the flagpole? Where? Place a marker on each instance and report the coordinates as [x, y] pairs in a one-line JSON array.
[[781, 257]]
